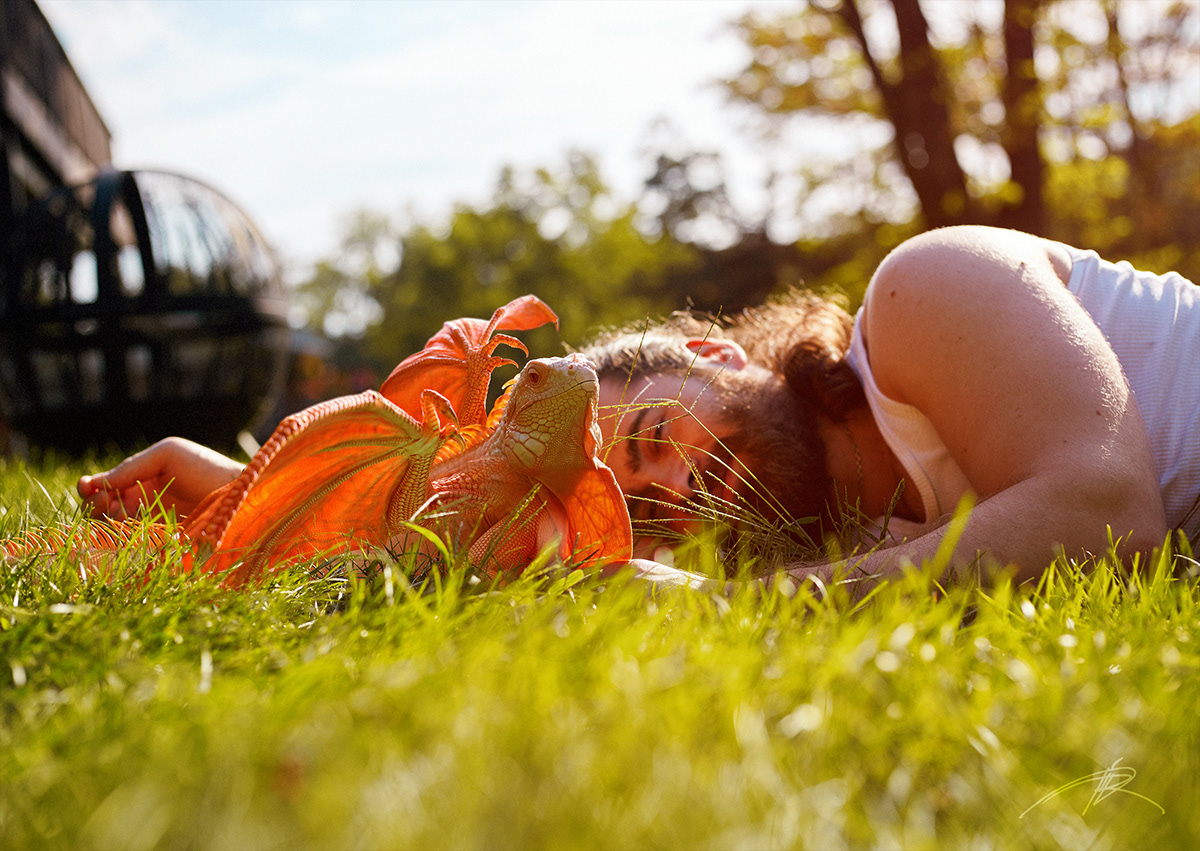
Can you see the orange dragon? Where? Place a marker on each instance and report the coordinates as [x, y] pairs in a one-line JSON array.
[[359, 472]]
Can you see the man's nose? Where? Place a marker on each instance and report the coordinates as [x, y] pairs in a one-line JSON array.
[[675, 475]]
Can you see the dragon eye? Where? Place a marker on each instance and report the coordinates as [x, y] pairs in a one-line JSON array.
[[534, 377]]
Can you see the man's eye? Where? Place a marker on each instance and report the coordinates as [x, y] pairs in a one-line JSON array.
[[658, 432]]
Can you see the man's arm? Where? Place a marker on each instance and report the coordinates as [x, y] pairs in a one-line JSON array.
[[975, 328]]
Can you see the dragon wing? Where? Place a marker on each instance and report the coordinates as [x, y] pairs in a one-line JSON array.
[[458, 360], [344, 472]]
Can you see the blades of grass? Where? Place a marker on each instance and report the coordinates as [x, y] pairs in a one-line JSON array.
[[432, 537]]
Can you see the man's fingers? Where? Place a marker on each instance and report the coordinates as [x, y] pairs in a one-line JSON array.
[[107, 497], [151, 465], [105, 503], [145, 466], [86, 486], [664, 576]]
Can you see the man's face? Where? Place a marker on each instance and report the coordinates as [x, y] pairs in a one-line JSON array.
[[736, 442], [665, 436]]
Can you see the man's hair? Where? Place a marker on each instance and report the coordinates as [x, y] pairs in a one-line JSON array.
[[801, 337]]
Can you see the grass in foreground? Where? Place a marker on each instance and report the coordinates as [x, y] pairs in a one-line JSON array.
[[545, 714]]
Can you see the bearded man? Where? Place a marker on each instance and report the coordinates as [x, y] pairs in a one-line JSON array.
[[1058, 391]]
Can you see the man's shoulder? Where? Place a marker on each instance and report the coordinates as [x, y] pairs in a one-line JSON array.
[[964, 261], [951, 289]]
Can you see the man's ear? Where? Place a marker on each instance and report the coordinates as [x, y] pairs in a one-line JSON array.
[[724, 352]]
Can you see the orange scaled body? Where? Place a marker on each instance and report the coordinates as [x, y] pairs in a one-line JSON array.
[[356, 473]]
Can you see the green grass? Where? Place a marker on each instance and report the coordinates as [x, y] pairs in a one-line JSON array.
[[316, 714]]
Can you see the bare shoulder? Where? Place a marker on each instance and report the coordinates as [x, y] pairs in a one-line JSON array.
[[974, 328], [957, 287], [968, 257]]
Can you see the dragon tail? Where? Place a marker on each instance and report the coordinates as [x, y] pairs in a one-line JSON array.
[[91, 542]]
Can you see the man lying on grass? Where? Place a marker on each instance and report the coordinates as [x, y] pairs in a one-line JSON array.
[[1061, 391]]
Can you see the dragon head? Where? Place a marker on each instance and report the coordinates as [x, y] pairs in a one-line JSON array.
[[549, 428], [549, 432]]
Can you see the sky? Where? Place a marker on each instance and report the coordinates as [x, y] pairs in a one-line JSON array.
[[303, 111]]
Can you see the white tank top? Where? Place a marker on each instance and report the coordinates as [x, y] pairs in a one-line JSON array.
[[1152, 323]]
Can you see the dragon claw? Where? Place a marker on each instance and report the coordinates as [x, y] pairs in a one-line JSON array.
[[506, 340], [438, 414]]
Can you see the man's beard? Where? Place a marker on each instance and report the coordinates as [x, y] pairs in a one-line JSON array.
[[786, 479]]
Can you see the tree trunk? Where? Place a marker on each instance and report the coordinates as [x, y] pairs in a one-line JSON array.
[[917, 107], [1144, 196], [1023, 113]]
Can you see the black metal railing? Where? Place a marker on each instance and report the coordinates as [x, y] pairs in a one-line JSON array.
[[135, 306]]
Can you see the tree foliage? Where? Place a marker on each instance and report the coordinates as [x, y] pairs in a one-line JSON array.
[[1070, 118], [1075, 119], [560, 234], [556, 233]]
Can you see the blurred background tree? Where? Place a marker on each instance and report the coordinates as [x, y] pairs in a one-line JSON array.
[[1075, 119], [558, 233]]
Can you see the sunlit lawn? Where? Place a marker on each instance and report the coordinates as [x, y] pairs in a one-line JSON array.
[[542, 715]]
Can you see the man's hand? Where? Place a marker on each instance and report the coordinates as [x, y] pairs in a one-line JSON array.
[[663, 576], [176, 473]]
